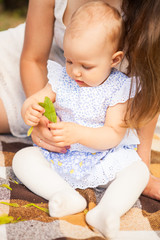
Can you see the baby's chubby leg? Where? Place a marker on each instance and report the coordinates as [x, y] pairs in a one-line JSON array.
[[33, 170], [120, 196]]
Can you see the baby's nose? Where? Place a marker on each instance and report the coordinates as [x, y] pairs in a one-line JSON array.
[[76, 72]]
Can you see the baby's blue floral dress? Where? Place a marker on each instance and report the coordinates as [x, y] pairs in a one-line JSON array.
[[83, 167]]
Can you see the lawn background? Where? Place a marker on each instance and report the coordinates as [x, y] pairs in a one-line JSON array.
[[12, 13]]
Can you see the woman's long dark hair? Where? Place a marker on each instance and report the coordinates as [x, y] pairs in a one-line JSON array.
[[142, 24]]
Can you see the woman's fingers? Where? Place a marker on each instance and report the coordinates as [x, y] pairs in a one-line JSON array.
[[153, 188], [43, 137], [49, 146]]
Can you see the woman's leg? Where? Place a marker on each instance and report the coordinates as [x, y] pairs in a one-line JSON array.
[[35, 172], [145, 135], [119, 197], [4, 126]]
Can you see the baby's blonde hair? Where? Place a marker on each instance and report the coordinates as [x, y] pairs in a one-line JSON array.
[[94, 14]]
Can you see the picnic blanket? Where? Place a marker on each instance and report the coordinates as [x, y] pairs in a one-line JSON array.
[[28, 218]]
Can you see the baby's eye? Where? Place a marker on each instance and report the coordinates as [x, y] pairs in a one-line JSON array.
[[69, 62], [87, 67]]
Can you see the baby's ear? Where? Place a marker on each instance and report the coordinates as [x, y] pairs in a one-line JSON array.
[[116, 58]]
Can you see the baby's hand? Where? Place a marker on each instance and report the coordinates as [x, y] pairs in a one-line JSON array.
[[64, 133], [33, 114]]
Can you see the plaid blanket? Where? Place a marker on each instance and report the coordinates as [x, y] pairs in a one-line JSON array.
[[24, 215]]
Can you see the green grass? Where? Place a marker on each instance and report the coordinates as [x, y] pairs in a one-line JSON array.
[[10, 19]]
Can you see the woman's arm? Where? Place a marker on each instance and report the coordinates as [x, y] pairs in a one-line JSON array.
[[33, 64], [37, 44], [144, 150], [101, 138]]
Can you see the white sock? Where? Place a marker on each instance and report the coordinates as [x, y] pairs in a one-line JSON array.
[[119, 197], [105, 221], [66, 202]]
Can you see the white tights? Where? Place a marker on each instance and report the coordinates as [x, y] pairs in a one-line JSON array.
[[35, 172]]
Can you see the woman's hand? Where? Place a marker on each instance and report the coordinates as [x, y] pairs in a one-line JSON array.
[[153, 188], [42, 136]]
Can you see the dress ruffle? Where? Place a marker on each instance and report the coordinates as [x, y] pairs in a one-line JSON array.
[[83, 170]]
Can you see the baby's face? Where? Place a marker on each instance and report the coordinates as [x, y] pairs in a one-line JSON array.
[[88, 58]]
